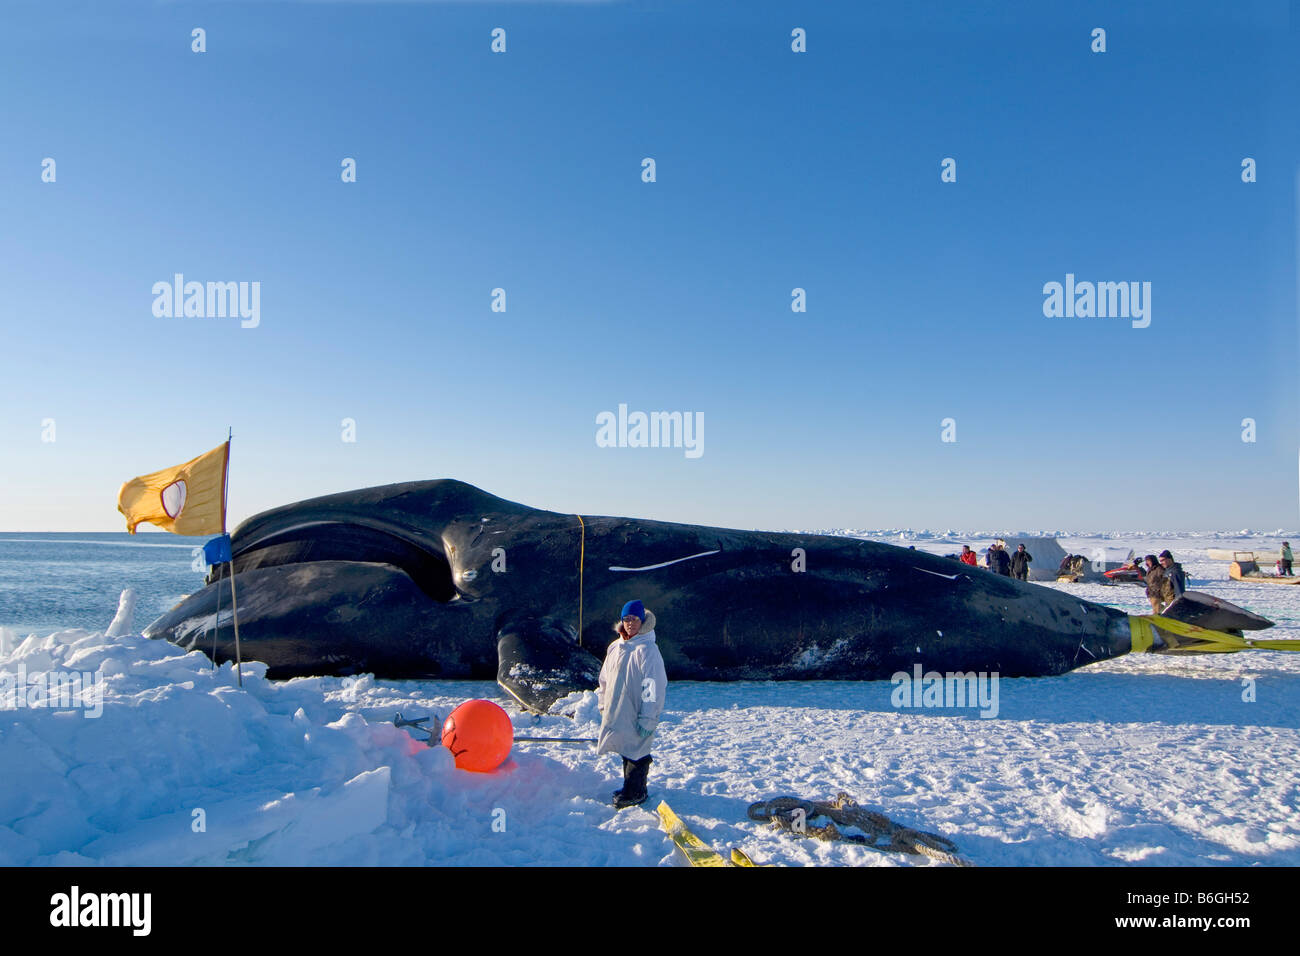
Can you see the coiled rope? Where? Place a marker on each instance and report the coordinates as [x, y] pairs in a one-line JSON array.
[[795, 816]]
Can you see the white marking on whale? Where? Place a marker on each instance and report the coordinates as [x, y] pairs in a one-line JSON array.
[[950, 577], [651, 567]]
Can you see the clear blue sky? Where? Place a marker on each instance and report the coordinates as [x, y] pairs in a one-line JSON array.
[[775, 170]]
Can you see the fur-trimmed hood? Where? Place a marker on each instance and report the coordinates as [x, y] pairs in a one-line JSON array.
[[647, 626]]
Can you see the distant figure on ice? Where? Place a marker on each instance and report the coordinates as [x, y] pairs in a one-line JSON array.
[[1286, 558], [999, 560], [968, 556], [1020, 563], [633, 685], [1159, 590], [1175, 574]]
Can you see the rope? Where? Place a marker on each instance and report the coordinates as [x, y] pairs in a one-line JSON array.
[[844, 810], [582, 559]]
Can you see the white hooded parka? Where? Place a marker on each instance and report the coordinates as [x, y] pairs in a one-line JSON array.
[[633, 685]]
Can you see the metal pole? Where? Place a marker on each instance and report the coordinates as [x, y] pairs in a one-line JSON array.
[[216, 625], [234, 606], [568, 740], [234, 601]]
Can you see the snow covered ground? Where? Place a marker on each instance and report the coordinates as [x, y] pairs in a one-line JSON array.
[[1138, 760]]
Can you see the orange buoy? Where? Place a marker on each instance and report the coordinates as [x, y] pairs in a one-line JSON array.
[[479, 735]]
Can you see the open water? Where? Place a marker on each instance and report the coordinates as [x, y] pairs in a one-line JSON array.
[[52, 581]]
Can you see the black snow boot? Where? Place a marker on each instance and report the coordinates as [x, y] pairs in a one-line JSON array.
[[627, 769], [635, 773]]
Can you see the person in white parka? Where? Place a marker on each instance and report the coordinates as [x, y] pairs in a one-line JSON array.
[[633, 685]]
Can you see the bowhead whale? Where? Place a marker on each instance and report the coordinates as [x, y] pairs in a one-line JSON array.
[[439, 579]]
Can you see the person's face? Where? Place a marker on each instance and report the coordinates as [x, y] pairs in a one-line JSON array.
[[631, 624], [1165, 562], [1150, 564]]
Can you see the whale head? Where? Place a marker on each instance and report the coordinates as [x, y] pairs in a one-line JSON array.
[[395, 580]]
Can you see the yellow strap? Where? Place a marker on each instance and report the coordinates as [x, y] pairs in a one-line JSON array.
[[1140, 629], [582, 560], [1280, 645], [1183, 629], [1208, 642]]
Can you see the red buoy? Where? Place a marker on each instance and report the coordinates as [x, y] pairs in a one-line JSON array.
[[479, 735]]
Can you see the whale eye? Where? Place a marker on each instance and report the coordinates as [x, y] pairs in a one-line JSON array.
[[469, 575]]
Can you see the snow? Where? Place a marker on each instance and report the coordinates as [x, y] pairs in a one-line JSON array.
[[1140, 760]]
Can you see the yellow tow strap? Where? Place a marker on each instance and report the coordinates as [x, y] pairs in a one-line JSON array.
[[1141, 636], [1143, 627]]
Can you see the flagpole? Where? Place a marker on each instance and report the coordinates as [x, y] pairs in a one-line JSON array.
[[234, 601], [216, 627]]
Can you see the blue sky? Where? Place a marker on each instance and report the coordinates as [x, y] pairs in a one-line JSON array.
[[775, 170]]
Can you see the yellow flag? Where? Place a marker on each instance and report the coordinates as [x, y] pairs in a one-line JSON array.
[[187, 499]]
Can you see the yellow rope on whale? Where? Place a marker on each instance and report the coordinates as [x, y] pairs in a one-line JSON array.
[[582, 560]]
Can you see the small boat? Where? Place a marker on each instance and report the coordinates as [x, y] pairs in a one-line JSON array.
[[1227, 554], [1245, 567]]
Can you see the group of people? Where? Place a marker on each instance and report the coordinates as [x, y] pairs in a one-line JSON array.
[[996, 559], [1164, 577]]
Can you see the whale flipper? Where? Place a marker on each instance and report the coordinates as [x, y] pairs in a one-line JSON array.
[[539, 662]]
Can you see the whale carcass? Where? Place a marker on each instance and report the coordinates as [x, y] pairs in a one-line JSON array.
[[439, 579]]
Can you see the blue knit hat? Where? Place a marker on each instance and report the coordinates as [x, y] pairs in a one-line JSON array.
[[635, 608]]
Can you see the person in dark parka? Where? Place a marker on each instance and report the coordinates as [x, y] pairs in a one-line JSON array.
[[1020, 563], [1175, 574], [1159, 591]]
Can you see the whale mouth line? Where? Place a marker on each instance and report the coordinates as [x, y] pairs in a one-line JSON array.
[[333, 540]]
